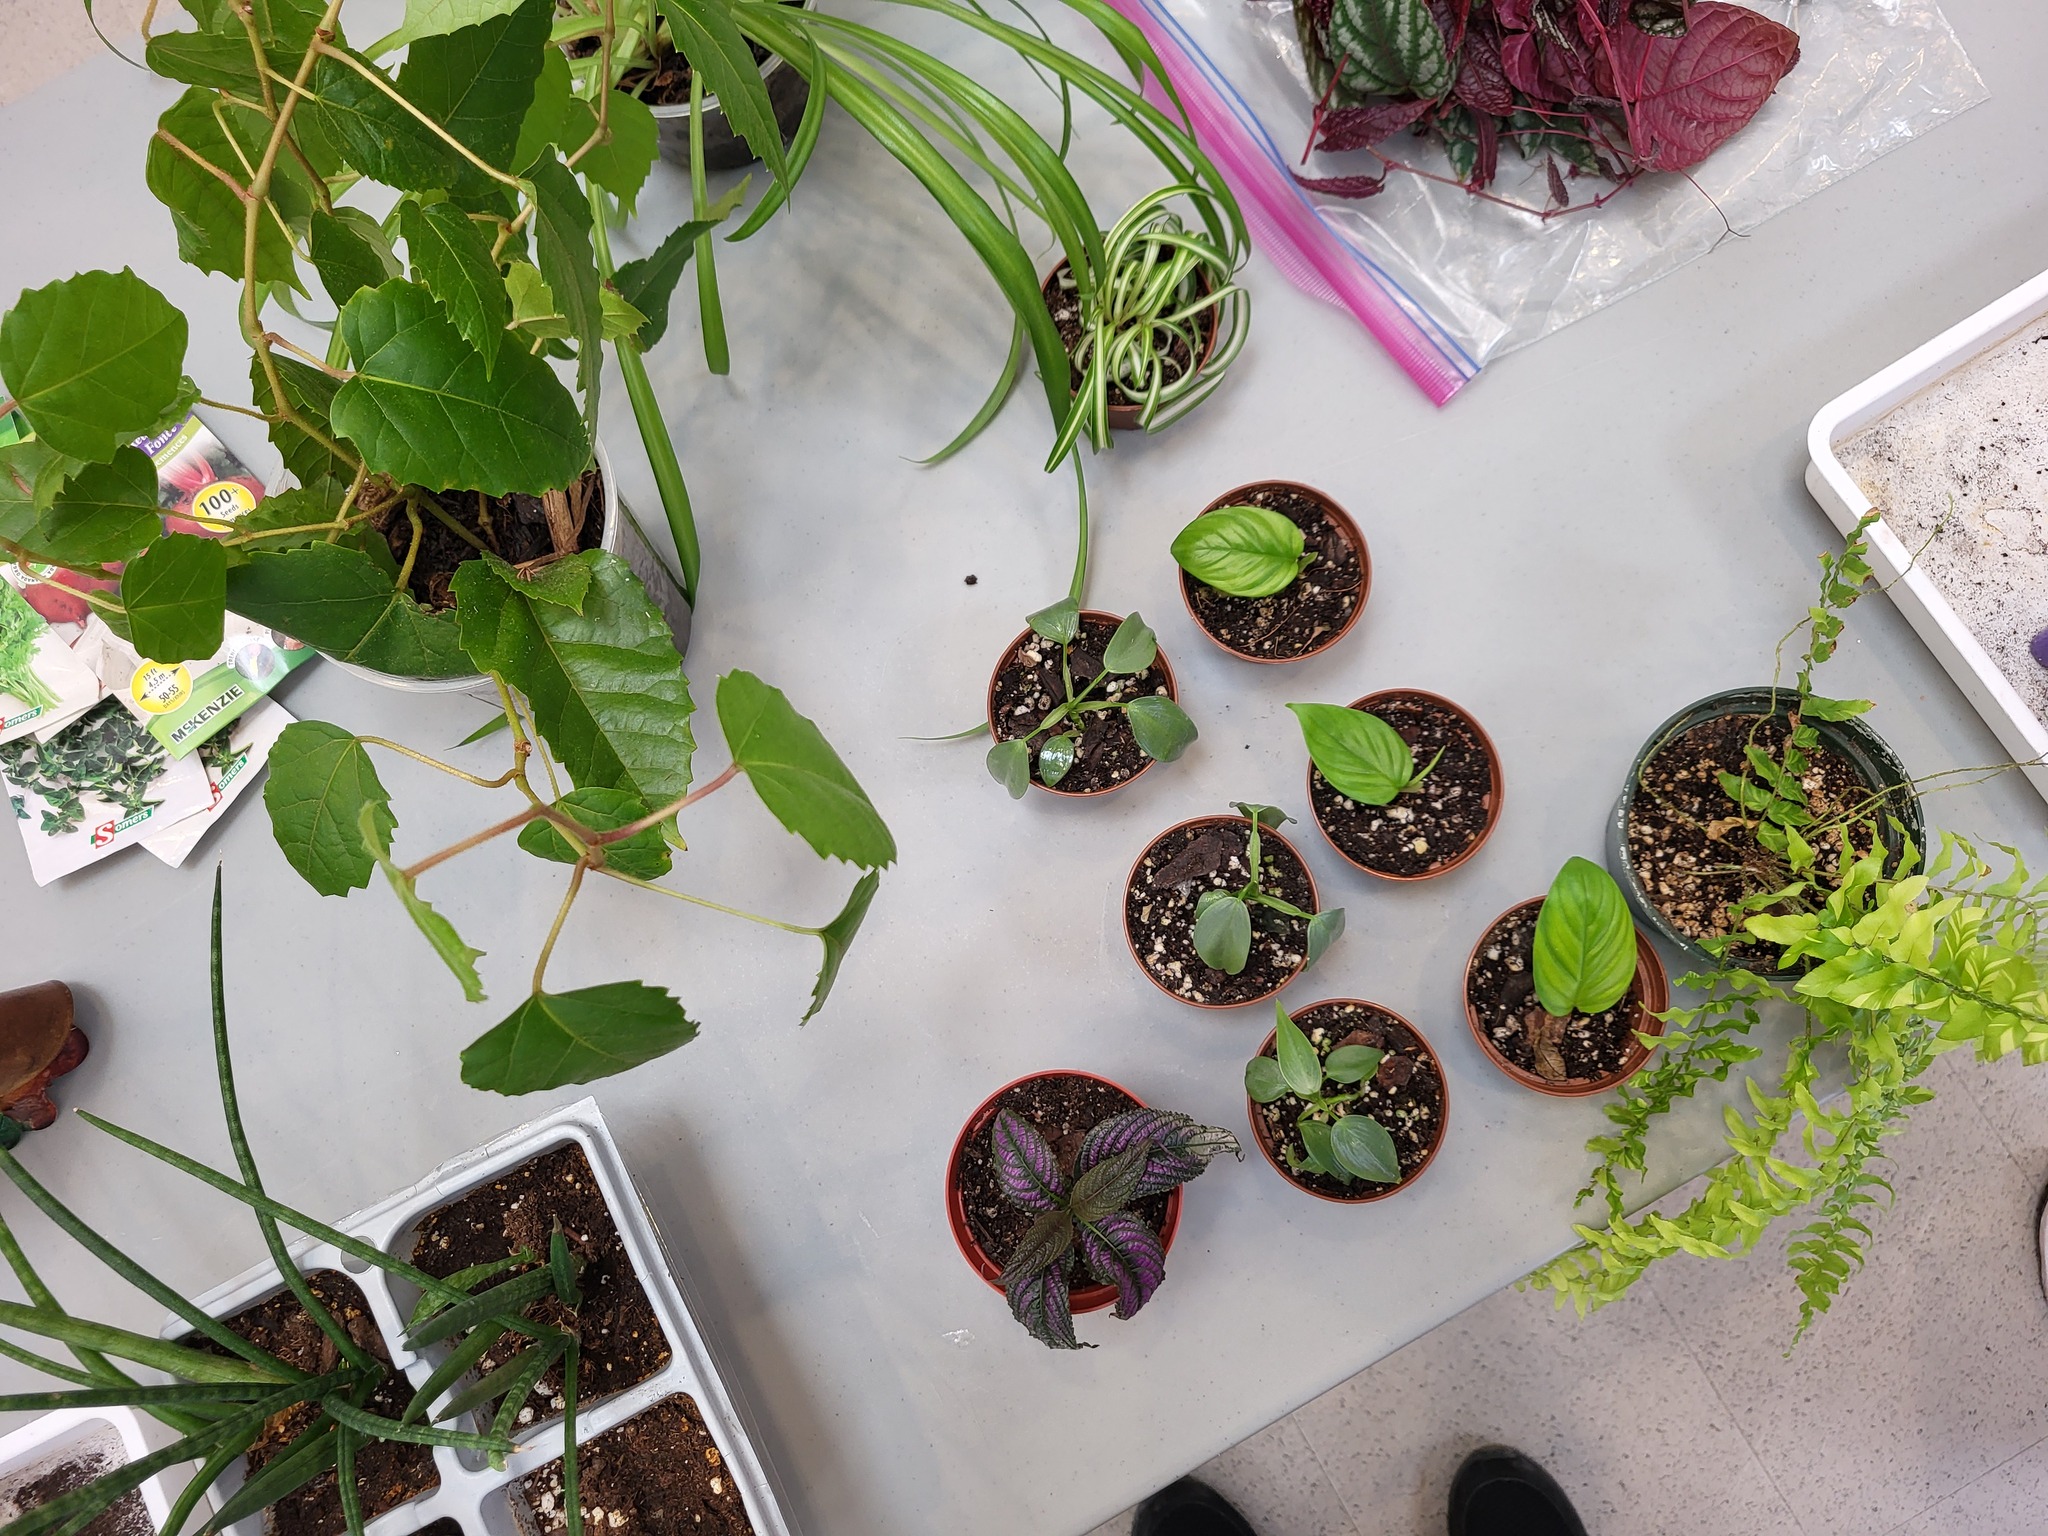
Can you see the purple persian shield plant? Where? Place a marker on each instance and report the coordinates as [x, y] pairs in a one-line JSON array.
[[1127, 1158]]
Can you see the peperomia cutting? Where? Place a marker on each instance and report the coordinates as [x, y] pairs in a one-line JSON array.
[[1362, 756], [1223, 916], [1339, 1141], [1244, 551], [1086, 1213]]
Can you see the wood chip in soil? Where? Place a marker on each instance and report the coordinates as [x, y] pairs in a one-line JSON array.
[[622, 1342], [1425, 827], [1571, 1051], [1406, 1095], [1305, 615], [1159, 911], [658, 1474], [1028, 687]]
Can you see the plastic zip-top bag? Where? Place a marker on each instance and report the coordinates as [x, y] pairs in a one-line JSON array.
[[1447, 279]]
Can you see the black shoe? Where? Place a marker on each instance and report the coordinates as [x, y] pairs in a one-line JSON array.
[[1189, 1508], [1501, 1492]]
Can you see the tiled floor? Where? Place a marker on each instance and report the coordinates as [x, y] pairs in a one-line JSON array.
[[1918, 1406]]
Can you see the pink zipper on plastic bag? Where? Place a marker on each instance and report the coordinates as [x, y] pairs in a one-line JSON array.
[[1284, 223]]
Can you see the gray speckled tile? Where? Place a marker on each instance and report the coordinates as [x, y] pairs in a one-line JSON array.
[[1928, 1371], [1613, 1405], [1120, 1526], [2014, 1098], [2011, 1500], [1275, 1481]]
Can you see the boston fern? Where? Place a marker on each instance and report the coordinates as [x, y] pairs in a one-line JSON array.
[[1084, 1214]]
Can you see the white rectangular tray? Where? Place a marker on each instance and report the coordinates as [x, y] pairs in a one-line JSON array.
[[120, 1433], [2015, 725]]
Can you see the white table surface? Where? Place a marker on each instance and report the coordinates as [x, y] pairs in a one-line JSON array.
[[1602, 528]]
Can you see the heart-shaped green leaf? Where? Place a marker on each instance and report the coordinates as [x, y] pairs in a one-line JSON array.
[[92, 360], [1585, 947], [621, 164], [1009, 764], [555, 1038], [1162, 727], [105, 514], [838, 937], [1263, 1082], [1223, 934], [1056, 757], [797, 774], [175, 593], [1132, 648], [322, 783], [1390, 47], [1324, 929], [1060, 623], [1362, 756], [1363, 1148], [644, 855], [1244, 551]]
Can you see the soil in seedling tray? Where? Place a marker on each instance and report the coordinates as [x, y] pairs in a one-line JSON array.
[[657, 1474], [1063, 303], [1063, 1110], [1430, 825], [1306, 614], [1159, 911], [1406, 1095], [127, 1516], [388, 1473], [621, 1339], [1691, 848], [1578, 1049], [519, 528], [1028, 685]]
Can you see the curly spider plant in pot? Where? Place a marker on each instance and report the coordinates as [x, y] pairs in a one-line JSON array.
[[1221, 911], [1273, 571], [1061, 1178]]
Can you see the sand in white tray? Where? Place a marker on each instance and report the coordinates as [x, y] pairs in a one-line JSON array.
[[1966, 461]]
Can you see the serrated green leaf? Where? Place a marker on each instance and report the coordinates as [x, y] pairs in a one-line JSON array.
[[322, 783], [798, 776], [433, 18], [336, 600], [644, 855], [561, 243], [1362, 756], [207, 214], [1009, 764], [547, 119], [706, 34], [440, 933], [1162, 728], [620, 318], [1132, 648], [649, 283], [105, 514], [423, 408], [214, 60], [555, 1038], [477, 81], [311, 393], [175, 594], [838, 939], [621, 165], [288, 509], [1363, 1148], [533, 303], [1244, 551], [1584, 954], [1223, 933], [92, 360], [375, 134], [343, 258], [450, 255]]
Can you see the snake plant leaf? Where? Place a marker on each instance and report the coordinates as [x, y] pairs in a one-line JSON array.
[[478, 81], [568, 262], [644, 855], [92, 360], [620, 165], [208, 214], [838, 939], [1362, 1148], [451, 257], [338, 601], [175, 593], [606, 685], [1161, 726], [458, 956], [106, 513], [1223, 933], [322, 784], [309, 392], [1009, 764], [1584, 954], [798, 776], [423, 408], [706, 34], [374, 133], [343, 258], [1362, 756], [555, 1038], [1390, 47], [1244, 551]]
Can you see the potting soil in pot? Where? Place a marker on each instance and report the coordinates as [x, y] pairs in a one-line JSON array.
[[518, 528], [621, 1339], [1428, 826], [388, 1473], [1960, 472], [1307, 613], [70, 1469], [1160, 901], [1406, 1094], [1572, 1051], [1028, 685], [657, 1474]]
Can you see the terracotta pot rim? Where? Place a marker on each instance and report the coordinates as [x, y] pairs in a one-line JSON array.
[[989, 708], [1443, 1115], [1493, 762], [1315, 895], [1125, 418], [1344, 523], [1085, 1298], [1651, 979]]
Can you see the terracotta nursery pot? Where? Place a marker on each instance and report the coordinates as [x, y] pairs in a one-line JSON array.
[[1340, 1017], [1508, 936], [1096, 628], [1341, 550], [1081, 1297], [1197, 983], [1124, 417], [1469, 770]]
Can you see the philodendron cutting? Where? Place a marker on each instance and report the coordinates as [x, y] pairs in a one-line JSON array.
[[1086, 1214], [1338, 1141], [1223, 916], [1364, 758]]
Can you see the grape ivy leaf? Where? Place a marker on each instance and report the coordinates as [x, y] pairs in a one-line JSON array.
[[208, 214], [561, 241], [105, 514], [311, 393], [706, 34], [345, 260], [336, 600], [440, 933], [621, 164], [175, 593], [643, 855], [321, 788], [450, 255], [838, 938], [554, 1038], [92, 360], [432, 18], [477, 81], [797, 774], [375, 134]]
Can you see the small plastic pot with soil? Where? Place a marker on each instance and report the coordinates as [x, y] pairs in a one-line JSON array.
[[1404, 783], [1222, 911], [1082, 703], [1685, 852], [664, 85], [1347, 1100], [1274, 571]]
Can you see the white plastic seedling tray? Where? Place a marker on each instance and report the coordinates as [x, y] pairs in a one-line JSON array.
[[2015, 724], [483, 1501], [117, 1434]]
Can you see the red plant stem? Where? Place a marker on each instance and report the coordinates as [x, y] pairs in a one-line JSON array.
[[656, 818]]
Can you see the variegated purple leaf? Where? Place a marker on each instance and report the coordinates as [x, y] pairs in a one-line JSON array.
[[1166, 1170], [1039, 1302], [1119, 1133], [1029, 1171], [1122, 1251], [1181, 1147], [1039, 1249]]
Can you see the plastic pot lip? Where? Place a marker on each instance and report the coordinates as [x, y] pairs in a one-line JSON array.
[[1443, 1126], [1131, 880], [1085, 1298], [996, 672], [1386, 695], [1867, 752], [1337, 516], [1650, 978], [769, 65], [1128, 417]]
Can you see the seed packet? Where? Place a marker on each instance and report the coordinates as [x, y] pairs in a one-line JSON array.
[[185, 703], [97, 786], [201, 485], [43, 685], [233, 759]]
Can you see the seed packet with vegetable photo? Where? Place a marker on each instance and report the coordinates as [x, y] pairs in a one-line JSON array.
[[97, 786], [185, 703], [201, 485], [234, 759], [42, 683]]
